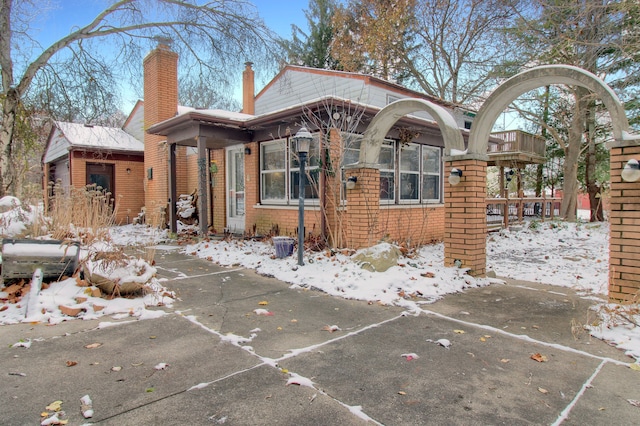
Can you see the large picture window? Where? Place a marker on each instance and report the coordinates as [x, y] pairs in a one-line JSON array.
[[409, 173], [280, 172]]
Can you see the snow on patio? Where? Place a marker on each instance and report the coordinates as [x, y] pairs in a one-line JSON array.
[[572, 255]]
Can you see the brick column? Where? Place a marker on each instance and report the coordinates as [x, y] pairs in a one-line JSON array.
[[465, 220], [363, 208], [624, 244]]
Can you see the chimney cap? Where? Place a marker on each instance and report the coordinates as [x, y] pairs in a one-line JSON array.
[[248, 64], [163, 40]]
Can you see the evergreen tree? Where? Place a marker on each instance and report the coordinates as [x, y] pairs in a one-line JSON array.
[[314, 49]]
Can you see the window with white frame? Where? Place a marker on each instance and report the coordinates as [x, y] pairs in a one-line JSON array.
[[312, 170], [273, 172], [409, 173], [280, 172], [431, 182]]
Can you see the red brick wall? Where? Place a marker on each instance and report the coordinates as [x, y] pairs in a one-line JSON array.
[[128, 192], [624, 219], [361, 227], [414, 226]]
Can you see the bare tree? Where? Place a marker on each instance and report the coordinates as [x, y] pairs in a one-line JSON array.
[[459, 47], [80, 72]]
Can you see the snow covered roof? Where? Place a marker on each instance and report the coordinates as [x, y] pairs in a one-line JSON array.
[[216, 113], [66, 136]]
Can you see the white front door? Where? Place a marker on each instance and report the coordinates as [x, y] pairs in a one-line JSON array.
[[235, 189]]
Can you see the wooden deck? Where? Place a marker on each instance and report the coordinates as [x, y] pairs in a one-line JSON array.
[[502, 212]]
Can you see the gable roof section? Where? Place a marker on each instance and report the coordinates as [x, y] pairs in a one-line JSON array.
[[297, 84], [67, 136]]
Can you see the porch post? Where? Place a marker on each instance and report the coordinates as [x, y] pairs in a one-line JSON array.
[[202, 186], [173, 193], [624, 223], [363, 208], [465, 217]]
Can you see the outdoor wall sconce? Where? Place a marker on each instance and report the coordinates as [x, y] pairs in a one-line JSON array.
[[128, 171], [454, 177], [631, 171], [247, 151], [351, 182]]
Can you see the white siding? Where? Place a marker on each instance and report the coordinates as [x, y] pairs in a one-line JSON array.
[[62, 172], [135, 126], [58, 146], [298, 86]]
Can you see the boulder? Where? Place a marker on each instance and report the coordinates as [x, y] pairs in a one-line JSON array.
[[378, 258]]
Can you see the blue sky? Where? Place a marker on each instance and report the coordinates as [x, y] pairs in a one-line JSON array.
[[63, 16]]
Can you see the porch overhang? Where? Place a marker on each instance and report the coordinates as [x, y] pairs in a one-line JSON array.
[[186, 129]]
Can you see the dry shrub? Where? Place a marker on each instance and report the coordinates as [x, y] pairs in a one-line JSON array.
[[81, 213]]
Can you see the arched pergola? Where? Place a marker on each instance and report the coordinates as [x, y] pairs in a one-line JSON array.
[[465, 204], [387, 117], [542, 76]]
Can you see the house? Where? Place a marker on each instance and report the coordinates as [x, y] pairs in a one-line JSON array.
[[245, 164], [77, 155]]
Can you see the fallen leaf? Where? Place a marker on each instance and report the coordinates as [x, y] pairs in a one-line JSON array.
[[54, 406], [634, 402], [284, 370], [71, 363], [428, 275], [263, 303], [539, 357], [116, 368], [543, 390], [458, 331], [482, 339], [505, 360], [635, 367], [93, 345], [402, 393]]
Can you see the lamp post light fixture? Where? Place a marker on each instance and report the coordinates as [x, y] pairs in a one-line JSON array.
[[303, 140], [631, 171], [454, 177]]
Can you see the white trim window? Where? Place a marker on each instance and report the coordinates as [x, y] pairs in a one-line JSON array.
[[280, 170], [312, 170], [431, 172], [273, 172], [409, 173]]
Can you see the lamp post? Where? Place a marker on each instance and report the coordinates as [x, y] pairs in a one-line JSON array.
[[303, 140]]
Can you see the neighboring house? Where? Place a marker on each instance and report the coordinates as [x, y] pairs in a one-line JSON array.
[[77, 155], [245, 165]]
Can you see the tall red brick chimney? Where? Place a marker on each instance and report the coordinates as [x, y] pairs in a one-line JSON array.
[[160, 103], [248, 90]]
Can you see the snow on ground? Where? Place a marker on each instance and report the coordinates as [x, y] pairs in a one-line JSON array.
[[573, 255]]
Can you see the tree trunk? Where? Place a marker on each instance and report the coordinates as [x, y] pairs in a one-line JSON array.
[[9, 108], [572, 154], [595, 202]]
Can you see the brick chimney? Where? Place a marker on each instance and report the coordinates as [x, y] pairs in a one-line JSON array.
[[248, 90], [160, 103]]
